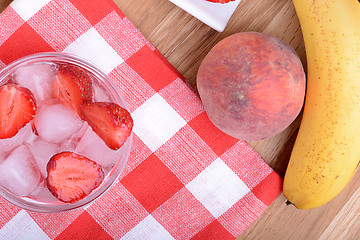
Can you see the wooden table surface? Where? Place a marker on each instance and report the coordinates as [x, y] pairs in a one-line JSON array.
[[185, 41]]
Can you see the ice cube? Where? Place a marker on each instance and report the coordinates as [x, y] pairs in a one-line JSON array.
[[43, 151], [71, 143], [43, 195], [24, 135], [56, 122], [100, 94], [93, 147], [38, 78], [19, 173]]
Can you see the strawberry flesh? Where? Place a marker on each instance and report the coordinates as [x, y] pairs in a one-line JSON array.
[[73, 86], [17, 108], [110, 121], [72, 177]]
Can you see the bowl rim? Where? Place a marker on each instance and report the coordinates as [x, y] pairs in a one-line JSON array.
[[114, 174]]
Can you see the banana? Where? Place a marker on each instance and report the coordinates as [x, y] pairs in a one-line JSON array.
[[326, 152]]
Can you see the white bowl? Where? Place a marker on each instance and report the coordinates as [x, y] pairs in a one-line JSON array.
[[215, 15]]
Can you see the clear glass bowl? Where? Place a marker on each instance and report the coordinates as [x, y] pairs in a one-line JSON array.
[[113, 175]]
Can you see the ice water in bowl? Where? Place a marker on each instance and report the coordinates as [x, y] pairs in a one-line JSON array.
[[65, 133]]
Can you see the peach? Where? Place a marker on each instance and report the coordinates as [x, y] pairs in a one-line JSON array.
[[252, 85]]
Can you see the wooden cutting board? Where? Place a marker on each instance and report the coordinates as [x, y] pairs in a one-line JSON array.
[[185, 41]]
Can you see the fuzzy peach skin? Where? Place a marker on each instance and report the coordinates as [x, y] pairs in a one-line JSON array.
[[252, 85]]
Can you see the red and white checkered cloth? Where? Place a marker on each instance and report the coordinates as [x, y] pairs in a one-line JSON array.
[[184, 179]]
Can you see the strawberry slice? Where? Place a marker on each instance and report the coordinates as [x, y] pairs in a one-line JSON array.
[[220, 1], [71, 176], [17, 108], [73, 86], [110, 121]]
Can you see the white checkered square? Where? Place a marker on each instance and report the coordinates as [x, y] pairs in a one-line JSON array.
[[26, 9], [148, 229], [23, 227], [155, 122], [218, 188], [53, 25], [93, 48]]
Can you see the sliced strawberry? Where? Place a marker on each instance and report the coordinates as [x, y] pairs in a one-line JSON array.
[[71, 176], [220, 1], [110, 121], [17, 108], [73, 86]]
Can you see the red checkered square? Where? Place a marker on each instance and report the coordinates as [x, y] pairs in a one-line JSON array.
[[84, 227], [117, 211], [182, 215], [241, 155], [8, 211], [126, 78], [166, 62], [62, 220], [242, 214], [186, 154], [23, 42], [152, 183], [93, 10], [151, 68], [10, 21], [183, 98], [269, 188], [138, 153], [213, 231], [59, 23], [121, 35], [216, 139]]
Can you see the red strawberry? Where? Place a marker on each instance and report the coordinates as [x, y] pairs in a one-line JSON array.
[[220, 1], [73, 86], [17, 108], [71, 176], [110, 121]]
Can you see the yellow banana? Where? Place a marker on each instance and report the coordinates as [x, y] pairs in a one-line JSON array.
[[326, 153]]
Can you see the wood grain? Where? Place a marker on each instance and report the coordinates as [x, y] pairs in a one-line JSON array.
[[185, 41], [344, 224], [4, 4]]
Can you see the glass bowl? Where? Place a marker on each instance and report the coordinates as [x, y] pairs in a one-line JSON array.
[[36, 202]]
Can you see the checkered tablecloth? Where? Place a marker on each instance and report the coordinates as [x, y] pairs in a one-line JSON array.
[[184, 179]]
